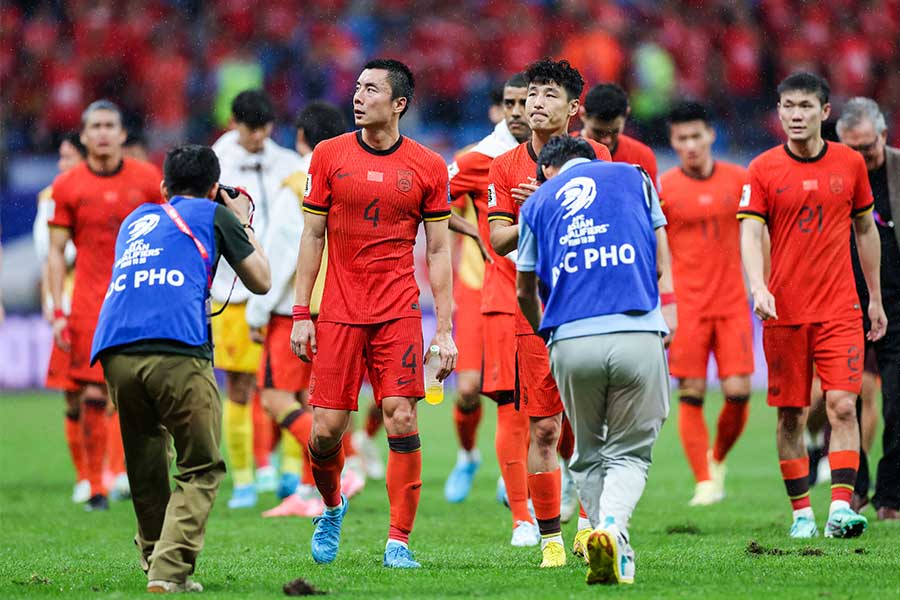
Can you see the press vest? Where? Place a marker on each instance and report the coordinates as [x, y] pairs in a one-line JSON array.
[[596, 244], [160, 282]]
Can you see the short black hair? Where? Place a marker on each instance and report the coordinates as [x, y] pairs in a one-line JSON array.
[[561, 149], [191, 170], [559, 72], [496, 95], [135, 138], [516, 81], [805, 81], [403, 84], [687, 111], [320, 121], [606, 102], [74, 139], [253, 108]]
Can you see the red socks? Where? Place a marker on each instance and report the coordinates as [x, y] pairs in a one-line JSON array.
[[545, 495], [694, 437], [404, 483], [76, 445], [467, 425], [94, 435], [299, 423], [844, 464], [731, 424], [326, 470], [511, 442], [795, 473]]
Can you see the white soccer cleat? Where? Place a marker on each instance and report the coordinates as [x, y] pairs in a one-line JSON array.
[[706, 493], [120, 488], [370, 455], [717, 472], [266, 479], [525, 534], [170, 587], [81, 493]]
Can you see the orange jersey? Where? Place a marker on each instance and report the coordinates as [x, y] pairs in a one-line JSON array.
[[631, 151], [508, 170], [705, 240], [92, 207], [808, 205]]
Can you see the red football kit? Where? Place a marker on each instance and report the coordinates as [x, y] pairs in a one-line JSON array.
[[705, 242], [92, 207], [630, 150], [808, 205], [374, 200], [537, 392]]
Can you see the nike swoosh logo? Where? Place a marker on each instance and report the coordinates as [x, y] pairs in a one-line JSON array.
[[782, 190], [404, 381], [342, 175]]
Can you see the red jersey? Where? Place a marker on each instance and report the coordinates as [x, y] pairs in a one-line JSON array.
[[808, 205], [508, 170], [374, 200], [92, 207], [705, 240], [631, 151]]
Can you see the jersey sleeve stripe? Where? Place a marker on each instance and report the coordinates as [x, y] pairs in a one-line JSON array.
[[749, 214], [314, 209], [431, 217], [864, 210], [504, 216]]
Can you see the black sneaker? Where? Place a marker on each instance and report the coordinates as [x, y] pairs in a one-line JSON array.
[[96, 502]]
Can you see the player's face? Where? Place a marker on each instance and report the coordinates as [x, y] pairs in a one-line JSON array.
[[549, 108], [253, 138], [864, 140], [801, 114], [372, 104], [68, 156], [514, 112], [692, 142], [103, 134], [605, 132]]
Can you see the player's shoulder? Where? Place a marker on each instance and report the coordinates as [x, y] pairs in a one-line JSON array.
[[74, 176], [511, 156], [730, 169], [140, 167], [635, 145], [843, 154], [422, 152], [334, 145], [767, 158], [672, 176], [600, 150]]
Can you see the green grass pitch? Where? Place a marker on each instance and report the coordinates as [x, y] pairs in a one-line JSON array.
[[50, 547]]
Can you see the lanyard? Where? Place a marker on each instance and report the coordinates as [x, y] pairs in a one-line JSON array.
[[183, 226]]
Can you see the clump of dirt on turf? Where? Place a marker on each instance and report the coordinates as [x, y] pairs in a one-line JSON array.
[[860, 551], [811, 552], [686, 529], [756, 549], [299, 587]]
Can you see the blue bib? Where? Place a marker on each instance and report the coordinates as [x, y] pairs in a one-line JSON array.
[[159, 284], [596, 244]]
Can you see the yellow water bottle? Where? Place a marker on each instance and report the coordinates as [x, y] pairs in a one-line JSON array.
[[434, 389]]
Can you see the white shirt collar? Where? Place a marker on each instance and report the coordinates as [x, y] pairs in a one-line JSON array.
[[572, 162]]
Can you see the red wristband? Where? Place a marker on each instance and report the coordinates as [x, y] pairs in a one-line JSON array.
[[667, 299], [58, 313], [301, 313]]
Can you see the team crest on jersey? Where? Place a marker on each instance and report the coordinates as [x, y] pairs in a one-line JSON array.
[[578, 194], [837, 184], [308, 187], [404, 180], [492, 196], [745, 196]]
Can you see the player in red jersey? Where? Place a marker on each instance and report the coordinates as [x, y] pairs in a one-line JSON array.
[[809, 192], [699, 199], [369, 190], [90, 202], [552, 100], [603, 117], [490, 368]]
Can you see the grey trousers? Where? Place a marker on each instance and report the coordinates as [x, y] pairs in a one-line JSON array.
[[615, 389]]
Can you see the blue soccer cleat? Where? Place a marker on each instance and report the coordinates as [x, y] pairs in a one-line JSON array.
[[501, 492], [326, 539], [398, 556], [287, 485], [845, 523], [243, 496], [459, 483], [804, 528]]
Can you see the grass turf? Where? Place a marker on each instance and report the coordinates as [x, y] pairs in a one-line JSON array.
[[738, 549]]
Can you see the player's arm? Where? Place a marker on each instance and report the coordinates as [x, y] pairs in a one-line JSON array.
[[753, 257], [526, 278], [461, 226], [440, 275], [253, 268], [868, 242], [663, 255], [56, 276], [309, 261]]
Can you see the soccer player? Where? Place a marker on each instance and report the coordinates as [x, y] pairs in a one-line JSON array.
[[71, 153], [369, 190], [251, 160], [551, 101], [603, 116], [699, 199], [477, 312], [90, 202], [809, 192]]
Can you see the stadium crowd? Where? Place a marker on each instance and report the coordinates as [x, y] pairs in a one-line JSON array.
[[174, 65]]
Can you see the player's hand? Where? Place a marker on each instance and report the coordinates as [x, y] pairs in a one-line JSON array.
[[303, 340], [61, 334], [879, 321], [240, 206], [484, 251], [764, 304], [449, 353], [670, 315], [523, 191], [258, 334]]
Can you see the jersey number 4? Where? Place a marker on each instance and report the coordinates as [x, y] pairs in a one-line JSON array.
[[372, 212]]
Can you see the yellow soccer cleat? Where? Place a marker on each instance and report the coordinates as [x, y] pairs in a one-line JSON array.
[[554, 555], [610, 558], [579, 547]]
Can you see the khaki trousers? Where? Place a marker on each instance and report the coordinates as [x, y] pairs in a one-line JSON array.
[[159, 397]]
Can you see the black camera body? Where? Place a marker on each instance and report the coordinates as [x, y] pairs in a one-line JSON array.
[[231, 191]]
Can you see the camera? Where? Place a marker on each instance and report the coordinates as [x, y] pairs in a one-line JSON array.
[[232, 192]]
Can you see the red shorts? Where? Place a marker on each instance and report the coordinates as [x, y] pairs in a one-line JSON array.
[[391, 352], [536, 391], [835, 347], [58, 371], [280, 369], [468, 328], [730, 339], [499, 374], [80, 369]]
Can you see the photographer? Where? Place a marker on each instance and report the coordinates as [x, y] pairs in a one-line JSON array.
[[153, 341]]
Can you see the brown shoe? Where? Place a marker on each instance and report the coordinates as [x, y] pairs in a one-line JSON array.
[[858, 503], [888, 514]]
